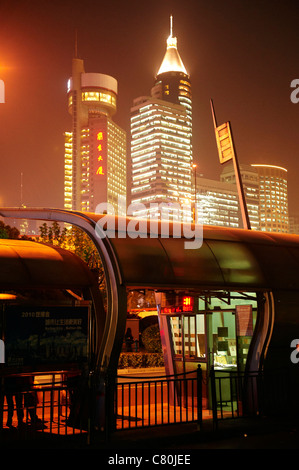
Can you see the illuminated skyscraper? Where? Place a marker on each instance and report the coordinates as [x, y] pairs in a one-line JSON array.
[[95, 149], [273, 198], [161, 140], [250, 180], [217, 203]]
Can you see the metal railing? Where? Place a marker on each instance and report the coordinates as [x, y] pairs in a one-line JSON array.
[[28, 410], [157, 401], [240, 394], [68, 407]]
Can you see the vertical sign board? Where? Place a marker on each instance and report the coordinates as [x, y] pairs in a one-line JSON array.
[[224, 142], [244, 320], [100, 166], [100, 152], [46, 335], [226, 152]]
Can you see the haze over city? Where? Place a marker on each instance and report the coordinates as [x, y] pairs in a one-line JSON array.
[[242, 54]]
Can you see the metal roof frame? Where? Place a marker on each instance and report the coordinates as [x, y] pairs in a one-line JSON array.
[[229, 259]]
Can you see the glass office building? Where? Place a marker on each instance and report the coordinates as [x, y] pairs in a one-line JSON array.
[[273, 198], [250, 180], [217, 203], [161, 143]]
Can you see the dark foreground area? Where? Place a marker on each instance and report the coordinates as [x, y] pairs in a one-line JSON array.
[[257, 433]]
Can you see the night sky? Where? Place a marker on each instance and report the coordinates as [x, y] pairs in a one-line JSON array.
[[242, 54]]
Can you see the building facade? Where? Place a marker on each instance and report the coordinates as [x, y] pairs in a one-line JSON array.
[[161, 143], [273, 198], [95, 149], [250, 180], [217, 203], [294, 223]]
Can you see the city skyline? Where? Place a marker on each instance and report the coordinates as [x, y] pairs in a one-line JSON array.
[[244, 57]]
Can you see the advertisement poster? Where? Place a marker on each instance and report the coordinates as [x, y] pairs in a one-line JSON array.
[[244, 320], [45, 335]]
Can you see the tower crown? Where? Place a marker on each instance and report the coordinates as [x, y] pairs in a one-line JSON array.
[[172, 61]]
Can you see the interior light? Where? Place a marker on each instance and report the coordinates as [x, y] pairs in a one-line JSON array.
[[4, 296]]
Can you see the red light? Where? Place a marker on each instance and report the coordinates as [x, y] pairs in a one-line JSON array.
[[186, 300], [185, 305], [188, 304]]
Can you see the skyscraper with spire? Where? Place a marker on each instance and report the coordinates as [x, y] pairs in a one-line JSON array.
[[161, 140], [95, 149]]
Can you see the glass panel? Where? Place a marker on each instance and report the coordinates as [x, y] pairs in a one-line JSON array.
[[200, 336], [189, 336], [176, 330], [224, 339], [188, 332]]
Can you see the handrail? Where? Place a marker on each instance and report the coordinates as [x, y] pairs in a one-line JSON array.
[[158, 377]]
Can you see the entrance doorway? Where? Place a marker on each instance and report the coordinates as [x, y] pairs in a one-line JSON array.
[[216, 330]]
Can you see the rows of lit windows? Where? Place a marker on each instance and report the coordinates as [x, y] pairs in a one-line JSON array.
[[141, 130], [147, 135], [161, 154], [99, 96], [146, 112], [116, 168], [68, 165], [157, 113]]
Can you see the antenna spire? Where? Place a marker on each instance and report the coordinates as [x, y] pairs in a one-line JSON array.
[[171, 26], [76, 44], [21, 188]]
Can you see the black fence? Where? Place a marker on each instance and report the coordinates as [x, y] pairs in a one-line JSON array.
[[240, 394], [158, 401], [68, 406], [50, 408]]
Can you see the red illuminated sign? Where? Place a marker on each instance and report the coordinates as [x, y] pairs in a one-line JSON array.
[[100, 153], [188, 302], [185, 305]]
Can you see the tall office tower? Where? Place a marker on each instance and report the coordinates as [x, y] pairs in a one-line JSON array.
[[95, 149], [273, 198], [250, 180], [161, 142], [217, 203]]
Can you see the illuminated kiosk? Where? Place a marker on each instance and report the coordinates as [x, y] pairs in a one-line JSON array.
[[238, 291]]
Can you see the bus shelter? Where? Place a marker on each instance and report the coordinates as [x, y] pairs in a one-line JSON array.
[[51, 309], [231, 303]]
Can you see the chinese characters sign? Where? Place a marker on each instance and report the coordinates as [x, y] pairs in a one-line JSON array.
[[48, 335], [186, 304], [101, 153]]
